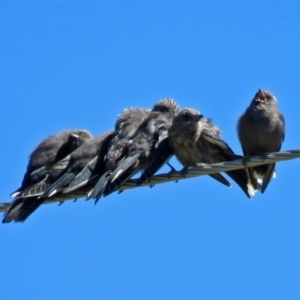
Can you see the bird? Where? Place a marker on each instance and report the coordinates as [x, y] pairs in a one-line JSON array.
[[141, 148], [125, 127], [79, 159], [48, 152], [59, 176], [195, 140], [261, 129]]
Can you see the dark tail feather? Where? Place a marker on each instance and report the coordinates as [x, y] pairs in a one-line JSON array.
[[12, 211], [156, 164], [253, 180], [162, 155], [62, 181], [124, 166], [267, 177], [242, 180], [122, 178], [21, 209], [124, 172], [98, 189], [219, 177]]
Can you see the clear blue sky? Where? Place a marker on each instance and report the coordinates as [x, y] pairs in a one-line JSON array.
[[78, 64]]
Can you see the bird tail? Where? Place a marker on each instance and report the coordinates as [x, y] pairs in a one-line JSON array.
[[267, 177], [219, 177], [124, 172], [243, 181], [98, 189], [21, 209], [162, 156]]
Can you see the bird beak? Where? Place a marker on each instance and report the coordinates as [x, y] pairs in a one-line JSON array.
[[260, 96], [197, 118], [74, 135]]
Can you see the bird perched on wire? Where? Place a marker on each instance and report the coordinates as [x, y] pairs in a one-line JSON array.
[[78, 161], [125, 127], [60, 175], [196, 140], [141, 148], [48, 152], [261, 129]]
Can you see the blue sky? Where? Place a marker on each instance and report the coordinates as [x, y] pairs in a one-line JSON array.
[[78, 64]]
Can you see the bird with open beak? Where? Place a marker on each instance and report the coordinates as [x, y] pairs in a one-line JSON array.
[[261, 129]]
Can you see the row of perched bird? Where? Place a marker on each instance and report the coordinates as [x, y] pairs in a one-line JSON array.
[[144, 140]]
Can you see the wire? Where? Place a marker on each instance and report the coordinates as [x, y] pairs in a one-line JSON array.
[[191, 173]]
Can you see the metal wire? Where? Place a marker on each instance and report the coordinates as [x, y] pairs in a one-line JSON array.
[[191, 173]]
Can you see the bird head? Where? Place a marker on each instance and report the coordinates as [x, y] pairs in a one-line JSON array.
[[264, 98], [78, 137]]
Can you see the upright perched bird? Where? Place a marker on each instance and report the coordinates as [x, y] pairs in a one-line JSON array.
[[196, 140], [141, 148], [261, 129], [125, 127], [48, 152]]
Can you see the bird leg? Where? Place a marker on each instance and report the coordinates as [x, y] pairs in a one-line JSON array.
[[184, 171], [264, 156], [172, 168], [245, 160]]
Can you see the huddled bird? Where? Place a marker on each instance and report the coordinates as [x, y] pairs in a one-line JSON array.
[[47, 153], [125, 128], [261, 129], [140, 149], [78, 160]]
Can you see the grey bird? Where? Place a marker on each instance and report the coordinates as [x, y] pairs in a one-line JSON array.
[[261, 129], [60, 175], [79, 159], [142, 146], [48, 152], [197, 141], [125, 127]]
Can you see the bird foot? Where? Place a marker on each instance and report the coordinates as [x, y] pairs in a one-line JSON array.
[[264, 156], [60, 203], [172, 168], [245, 160], [183, 172], [75, 200]]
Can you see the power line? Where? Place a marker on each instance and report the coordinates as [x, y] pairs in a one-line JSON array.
[[207, 169]]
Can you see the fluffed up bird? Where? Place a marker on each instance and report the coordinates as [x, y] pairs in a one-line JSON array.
[[48, 152], [261, 129], [142, 146], [125, 127], [195, 140]]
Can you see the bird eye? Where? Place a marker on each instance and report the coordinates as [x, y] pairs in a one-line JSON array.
[[164, 110], [186, 116]]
